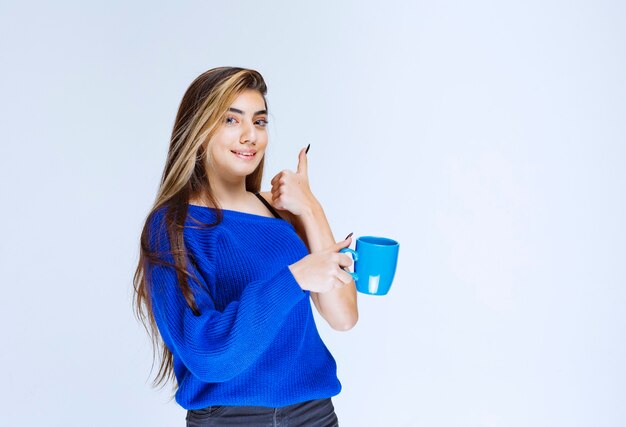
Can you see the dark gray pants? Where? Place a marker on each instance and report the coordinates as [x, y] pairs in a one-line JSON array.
[[313, 413]]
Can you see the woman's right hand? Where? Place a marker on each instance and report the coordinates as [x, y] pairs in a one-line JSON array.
[[322, 271]]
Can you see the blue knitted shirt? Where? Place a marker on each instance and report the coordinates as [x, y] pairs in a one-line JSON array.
[[255, 342]]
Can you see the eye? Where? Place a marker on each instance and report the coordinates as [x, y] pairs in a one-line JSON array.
[[265, 122], [229, 118]]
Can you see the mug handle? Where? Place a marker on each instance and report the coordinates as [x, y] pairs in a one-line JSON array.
[[356, 258]]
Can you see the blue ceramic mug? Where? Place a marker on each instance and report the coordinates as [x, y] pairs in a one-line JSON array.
[[375, 261]]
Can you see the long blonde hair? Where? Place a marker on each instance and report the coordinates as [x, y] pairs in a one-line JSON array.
[[199, 117]]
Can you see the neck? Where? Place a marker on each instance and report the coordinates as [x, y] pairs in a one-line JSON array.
[[230, 194]]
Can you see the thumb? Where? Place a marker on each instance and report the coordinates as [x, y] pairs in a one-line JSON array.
[[344, 243], [303, 166]]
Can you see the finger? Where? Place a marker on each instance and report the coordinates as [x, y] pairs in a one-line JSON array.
[[303, 167], [278, 186], [343, 244], [344, 277], [342, 259], [276, 200], [345, 260], [276, 178]]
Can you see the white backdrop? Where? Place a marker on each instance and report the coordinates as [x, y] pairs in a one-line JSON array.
[[487, 137]]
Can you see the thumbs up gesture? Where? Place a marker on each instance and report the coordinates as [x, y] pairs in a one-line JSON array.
[[291, 191]]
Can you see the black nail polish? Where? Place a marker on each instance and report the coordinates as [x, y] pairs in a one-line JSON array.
[[307, 149], [349, 235]]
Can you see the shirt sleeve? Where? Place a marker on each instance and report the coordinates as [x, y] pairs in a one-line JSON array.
[[217, 346]]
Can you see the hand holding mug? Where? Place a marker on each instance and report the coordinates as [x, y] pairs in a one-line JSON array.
[[375, 261], [323, 271]]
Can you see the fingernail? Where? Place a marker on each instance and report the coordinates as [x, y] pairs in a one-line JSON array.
[[307, 149], [349, 235]]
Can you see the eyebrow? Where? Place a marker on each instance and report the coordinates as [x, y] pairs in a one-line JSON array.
[[235, 110]]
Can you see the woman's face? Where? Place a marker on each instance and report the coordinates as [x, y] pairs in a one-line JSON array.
[[239, 144]]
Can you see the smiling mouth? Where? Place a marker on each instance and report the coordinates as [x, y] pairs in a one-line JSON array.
[[244, 156]]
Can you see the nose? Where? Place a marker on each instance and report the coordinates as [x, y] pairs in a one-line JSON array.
[[248, 135]]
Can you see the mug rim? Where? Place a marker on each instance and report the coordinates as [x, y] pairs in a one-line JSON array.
[[392, 242]]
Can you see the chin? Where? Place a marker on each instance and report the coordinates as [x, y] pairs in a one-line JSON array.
[[243, 172]]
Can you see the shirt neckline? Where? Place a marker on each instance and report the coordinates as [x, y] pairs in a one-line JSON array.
[[240, 214]]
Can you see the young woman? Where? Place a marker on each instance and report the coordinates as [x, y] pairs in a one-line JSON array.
[[226, 272]]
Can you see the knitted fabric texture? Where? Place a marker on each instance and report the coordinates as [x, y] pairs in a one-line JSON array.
[[255, 342]]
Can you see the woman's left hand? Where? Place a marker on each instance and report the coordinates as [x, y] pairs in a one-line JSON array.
[[291, 191]]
